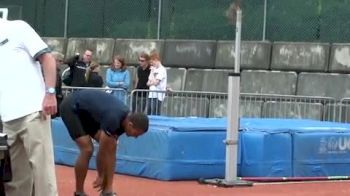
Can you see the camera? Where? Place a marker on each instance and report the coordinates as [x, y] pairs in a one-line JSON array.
[[76, 56], [73, 59]]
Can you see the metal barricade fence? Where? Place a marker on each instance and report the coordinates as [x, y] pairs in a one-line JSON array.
[[210, 104], [289, 106], [345, 110], [140, 101], [213, 104]]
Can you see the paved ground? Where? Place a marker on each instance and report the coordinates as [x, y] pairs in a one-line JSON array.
[[135, 186]]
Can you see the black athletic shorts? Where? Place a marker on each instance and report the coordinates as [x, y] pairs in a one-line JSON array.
[[78, 123]]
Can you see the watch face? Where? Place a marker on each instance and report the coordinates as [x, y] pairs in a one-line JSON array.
[[51, 90]]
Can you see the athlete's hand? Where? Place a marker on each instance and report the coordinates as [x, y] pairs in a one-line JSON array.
[[97, 184]]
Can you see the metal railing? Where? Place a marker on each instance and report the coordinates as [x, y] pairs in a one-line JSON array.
[[213, 104], [210, 104], [344, 110]]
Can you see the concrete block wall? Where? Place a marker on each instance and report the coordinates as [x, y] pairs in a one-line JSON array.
[[300, 56], [268, 82], [58, 44], [340, 58], [131, 48], [189, 53], [324, 84], [289, 68], [254, 55], [103, 48]]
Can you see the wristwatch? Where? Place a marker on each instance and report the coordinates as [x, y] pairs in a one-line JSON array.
[[51, 90]]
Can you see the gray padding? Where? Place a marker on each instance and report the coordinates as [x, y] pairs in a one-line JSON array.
[[254, 55], [176, 78], [299, 56], [58, 44], [268, 82], [189, 53], [324, 85], [103, 71], [274, 109], [132, 72], [340, 58], [209, 80], [102, 48], [130, 49], [218, 108], [185, 106]]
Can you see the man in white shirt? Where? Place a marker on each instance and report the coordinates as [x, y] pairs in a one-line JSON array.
[[26, 103], [157, 81]]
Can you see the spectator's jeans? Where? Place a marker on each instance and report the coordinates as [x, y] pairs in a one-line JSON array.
[[31, 152], [154, 106], [121, 95]]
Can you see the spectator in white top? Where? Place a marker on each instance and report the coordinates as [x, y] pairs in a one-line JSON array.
[[27, 101], [157, 81]]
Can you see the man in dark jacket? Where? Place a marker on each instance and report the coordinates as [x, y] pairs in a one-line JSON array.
[[78, 69], [143, 71]]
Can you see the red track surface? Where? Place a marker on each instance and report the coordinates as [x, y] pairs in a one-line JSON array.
[[134, 186]]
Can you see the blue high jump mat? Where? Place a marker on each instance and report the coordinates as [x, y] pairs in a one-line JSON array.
[[172, 149], [321, 152], [316, 149], [177, 148]]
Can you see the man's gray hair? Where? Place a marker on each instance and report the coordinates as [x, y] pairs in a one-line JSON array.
[[57, 55]]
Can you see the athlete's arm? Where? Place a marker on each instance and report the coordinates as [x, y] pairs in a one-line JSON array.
[[106, 157]]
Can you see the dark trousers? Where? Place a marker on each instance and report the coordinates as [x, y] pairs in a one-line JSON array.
[[6, 173], [5, 166], [154, 106]]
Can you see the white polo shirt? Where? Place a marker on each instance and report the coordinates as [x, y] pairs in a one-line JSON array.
[[22, 87], [158, 73]]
